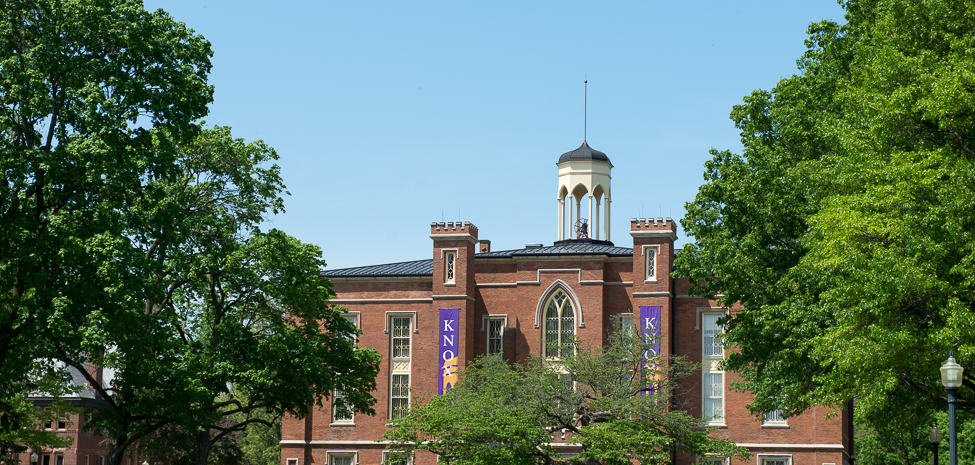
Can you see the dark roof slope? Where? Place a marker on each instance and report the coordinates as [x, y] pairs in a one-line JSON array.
[[584, 153], [414, 268], [425, 267]]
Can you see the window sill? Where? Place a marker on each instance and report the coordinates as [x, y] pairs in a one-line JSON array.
[[449, 284], [650, 281], [718, 425], [341, 423], [774, 426]]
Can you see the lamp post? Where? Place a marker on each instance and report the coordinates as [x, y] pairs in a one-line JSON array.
[[935, 440], [33, 458], [951, 379]]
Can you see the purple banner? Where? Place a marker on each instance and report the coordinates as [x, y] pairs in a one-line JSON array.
[[449, 321], [650, 333], [650, 327]]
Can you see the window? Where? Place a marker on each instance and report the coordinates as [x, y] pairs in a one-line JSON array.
[[341, 410], [388, 460], [494, 336], [712, 335], [774, 418], [714, 397], [341, 459], [713, 461], [62, 425], [712, 378], [559, 326], [400, 396], [449, 259], [58, 460], [399, 383], [352, 318], [401, 337], [775, 460], [292, 461], [651, 263]]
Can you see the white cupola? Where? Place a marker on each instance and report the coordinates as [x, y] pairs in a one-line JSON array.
[[584, 180]]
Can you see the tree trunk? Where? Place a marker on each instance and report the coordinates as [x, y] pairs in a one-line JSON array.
[[202, 446], [115, 453]]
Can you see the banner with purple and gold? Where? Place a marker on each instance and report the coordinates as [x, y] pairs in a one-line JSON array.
[[449, 321], [650, 327], [650, 333]]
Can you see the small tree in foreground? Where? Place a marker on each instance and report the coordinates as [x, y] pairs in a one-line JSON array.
[[616, 402]]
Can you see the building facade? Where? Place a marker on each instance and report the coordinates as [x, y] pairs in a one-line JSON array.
[[511, 302]]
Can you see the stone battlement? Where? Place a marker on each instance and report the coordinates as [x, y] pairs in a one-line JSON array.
[[451, 227], [649, 224]]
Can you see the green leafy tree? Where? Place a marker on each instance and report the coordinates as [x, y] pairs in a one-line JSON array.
[[83, 85], [845, 227], [612, 401], [224, 304]]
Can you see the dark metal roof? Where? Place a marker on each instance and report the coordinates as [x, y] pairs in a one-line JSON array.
[[414, 268], [563, 248], [584, 153], [425, 267]]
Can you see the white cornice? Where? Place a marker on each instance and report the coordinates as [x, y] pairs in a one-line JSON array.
[[454, 237], [452, 297], [652, 294], [383, 301], [670, 234]]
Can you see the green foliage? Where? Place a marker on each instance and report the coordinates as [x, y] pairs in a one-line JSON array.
[[610, 400], [223, 303], [845, 227], [130, 239], [77, 79]]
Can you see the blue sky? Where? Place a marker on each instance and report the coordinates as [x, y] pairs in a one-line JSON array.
[[391, 115]]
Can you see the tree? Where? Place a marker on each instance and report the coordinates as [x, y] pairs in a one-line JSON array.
[[223, 303], [82, 84], [615, 401], [845, 226], [130, 239]]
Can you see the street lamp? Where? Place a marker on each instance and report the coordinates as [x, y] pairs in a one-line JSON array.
[[33, 458], [951, 379], [935, 440]]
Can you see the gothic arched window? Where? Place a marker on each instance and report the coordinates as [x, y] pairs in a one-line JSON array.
[[559, 325]]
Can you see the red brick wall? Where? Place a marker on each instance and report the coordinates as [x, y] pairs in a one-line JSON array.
[[603, 287]]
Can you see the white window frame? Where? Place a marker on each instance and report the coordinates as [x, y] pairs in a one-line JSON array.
[[393, 337], [711, 460], [765, 459], [409, 461], [449, 266], [705, 347], [774, 419], [339, 397], [625, 320], [354, 455], [486, 321], [392, 382], [710, 369], [292, 461], [650, 254]]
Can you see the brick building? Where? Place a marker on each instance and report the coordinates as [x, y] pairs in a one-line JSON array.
[[512, 301], [86, 448]]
